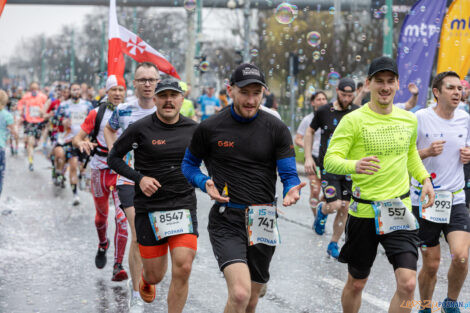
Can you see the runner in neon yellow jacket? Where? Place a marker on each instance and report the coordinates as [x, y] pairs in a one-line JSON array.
[[377, 145]]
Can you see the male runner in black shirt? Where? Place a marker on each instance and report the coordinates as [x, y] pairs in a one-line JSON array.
[[336, 188], [164, 201], [241, 147]]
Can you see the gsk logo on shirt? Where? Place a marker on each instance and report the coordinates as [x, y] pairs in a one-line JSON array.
[[226, 144], [159, 142]]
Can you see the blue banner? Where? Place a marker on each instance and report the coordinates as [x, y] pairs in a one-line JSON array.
[[417, 48]]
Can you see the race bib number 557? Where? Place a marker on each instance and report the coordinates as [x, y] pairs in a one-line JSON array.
[[392, 215]]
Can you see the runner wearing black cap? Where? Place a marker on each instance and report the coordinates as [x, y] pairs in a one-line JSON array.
[[242, 146], [164, 201], [336, 188], [377, 145]]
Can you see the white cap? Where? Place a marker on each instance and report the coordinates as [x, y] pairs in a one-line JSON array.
[[114, 81]]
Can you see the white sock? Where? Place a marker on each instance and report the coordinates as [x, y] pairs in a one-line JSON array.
[[135, 294]]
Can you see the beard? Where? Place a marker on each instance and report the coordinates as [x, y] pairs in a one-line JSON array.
[[344, 105]]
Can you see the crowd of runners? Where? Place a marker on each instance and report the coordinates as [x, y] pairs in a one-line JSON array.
[[389, 176]]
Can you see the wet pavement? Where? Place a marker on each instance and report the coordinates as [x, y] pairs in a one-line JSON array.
[[47, 250]]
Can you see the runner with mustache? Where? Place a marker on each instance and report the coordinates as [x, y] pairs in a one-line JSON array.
[[165, 203]]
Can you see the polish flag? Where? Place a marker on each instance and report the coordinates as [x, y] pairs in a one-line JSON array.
[[2, 5], [121, 40], [116, 62]]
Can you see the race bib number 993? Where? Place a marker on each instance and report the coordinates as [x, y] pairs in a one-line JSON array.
[[439, 212]]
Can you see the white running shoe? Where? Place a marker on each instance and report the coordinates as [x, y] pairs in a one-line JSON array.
[[76, 200], [136, 304]]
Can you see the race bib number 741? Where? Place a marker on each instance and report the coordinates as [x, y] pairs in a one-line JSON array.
[[262, 225]]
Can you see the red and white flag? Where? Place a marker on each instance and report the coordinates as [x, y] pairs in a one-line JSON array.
[[116, 63], [2, 5], [133, 46]]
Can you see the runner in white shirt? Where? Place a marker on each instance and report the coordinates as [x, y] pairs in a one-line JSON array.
[[316, 100], [146, 78], [72, 112], [103, 180], [443, 142]]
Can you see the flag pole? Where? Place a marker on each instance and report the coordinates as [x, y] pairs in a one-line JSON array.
[[388, 30]]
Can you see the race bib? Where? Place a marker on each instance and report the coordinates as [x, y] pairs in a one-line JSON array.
[[439, 212], [77, 118], [210, 109], [61, 138], [170, 223], [262, 225], [34, 111], [392, 215]]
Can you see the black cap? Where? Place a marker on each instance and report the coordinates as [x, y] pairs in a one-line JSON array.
[[347, 82], [246, 74], [383, 64], [168, 84]]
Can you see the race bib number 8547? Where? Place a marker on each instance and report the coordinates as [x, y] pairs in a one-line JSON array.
[[170, 223]]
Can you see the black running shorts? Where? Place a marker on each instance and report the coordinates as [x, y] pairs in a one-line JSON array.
[[360, 248], [34, 129], [228, 236], [429, 232], [126, 195], [336, 187]]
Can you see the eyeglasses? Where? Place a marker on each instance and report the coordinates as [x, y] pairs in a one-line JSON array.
[[143, 81]]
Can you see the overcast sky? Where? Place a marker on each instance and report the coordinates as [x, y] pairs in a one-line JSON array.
[[19, 22]]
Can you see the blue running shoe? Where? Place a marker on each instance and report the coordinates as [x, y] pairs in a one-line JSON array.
[[449, 306], [320, 220], [333, 250]]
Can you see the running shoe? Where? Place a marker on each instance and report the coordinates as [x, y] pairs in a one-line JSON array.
[[320, 220], [31, 167], [100, 258], [119, 274], [427, 310], [449, 306], [333, 250], [136, 305], [76, 200], [61, 180], [147, 291]]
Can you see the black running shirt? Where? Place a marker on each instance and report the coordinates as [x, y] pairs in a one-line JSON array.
[[243, 154], [158, 150], [325, 119]]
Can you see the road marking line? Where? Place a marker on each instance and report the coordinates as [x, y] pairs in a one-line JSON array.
[[382, 305]]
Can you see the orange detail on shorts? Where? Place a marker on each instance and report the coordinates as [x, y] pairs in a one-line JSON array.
[[150, 252], [183, 240]]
